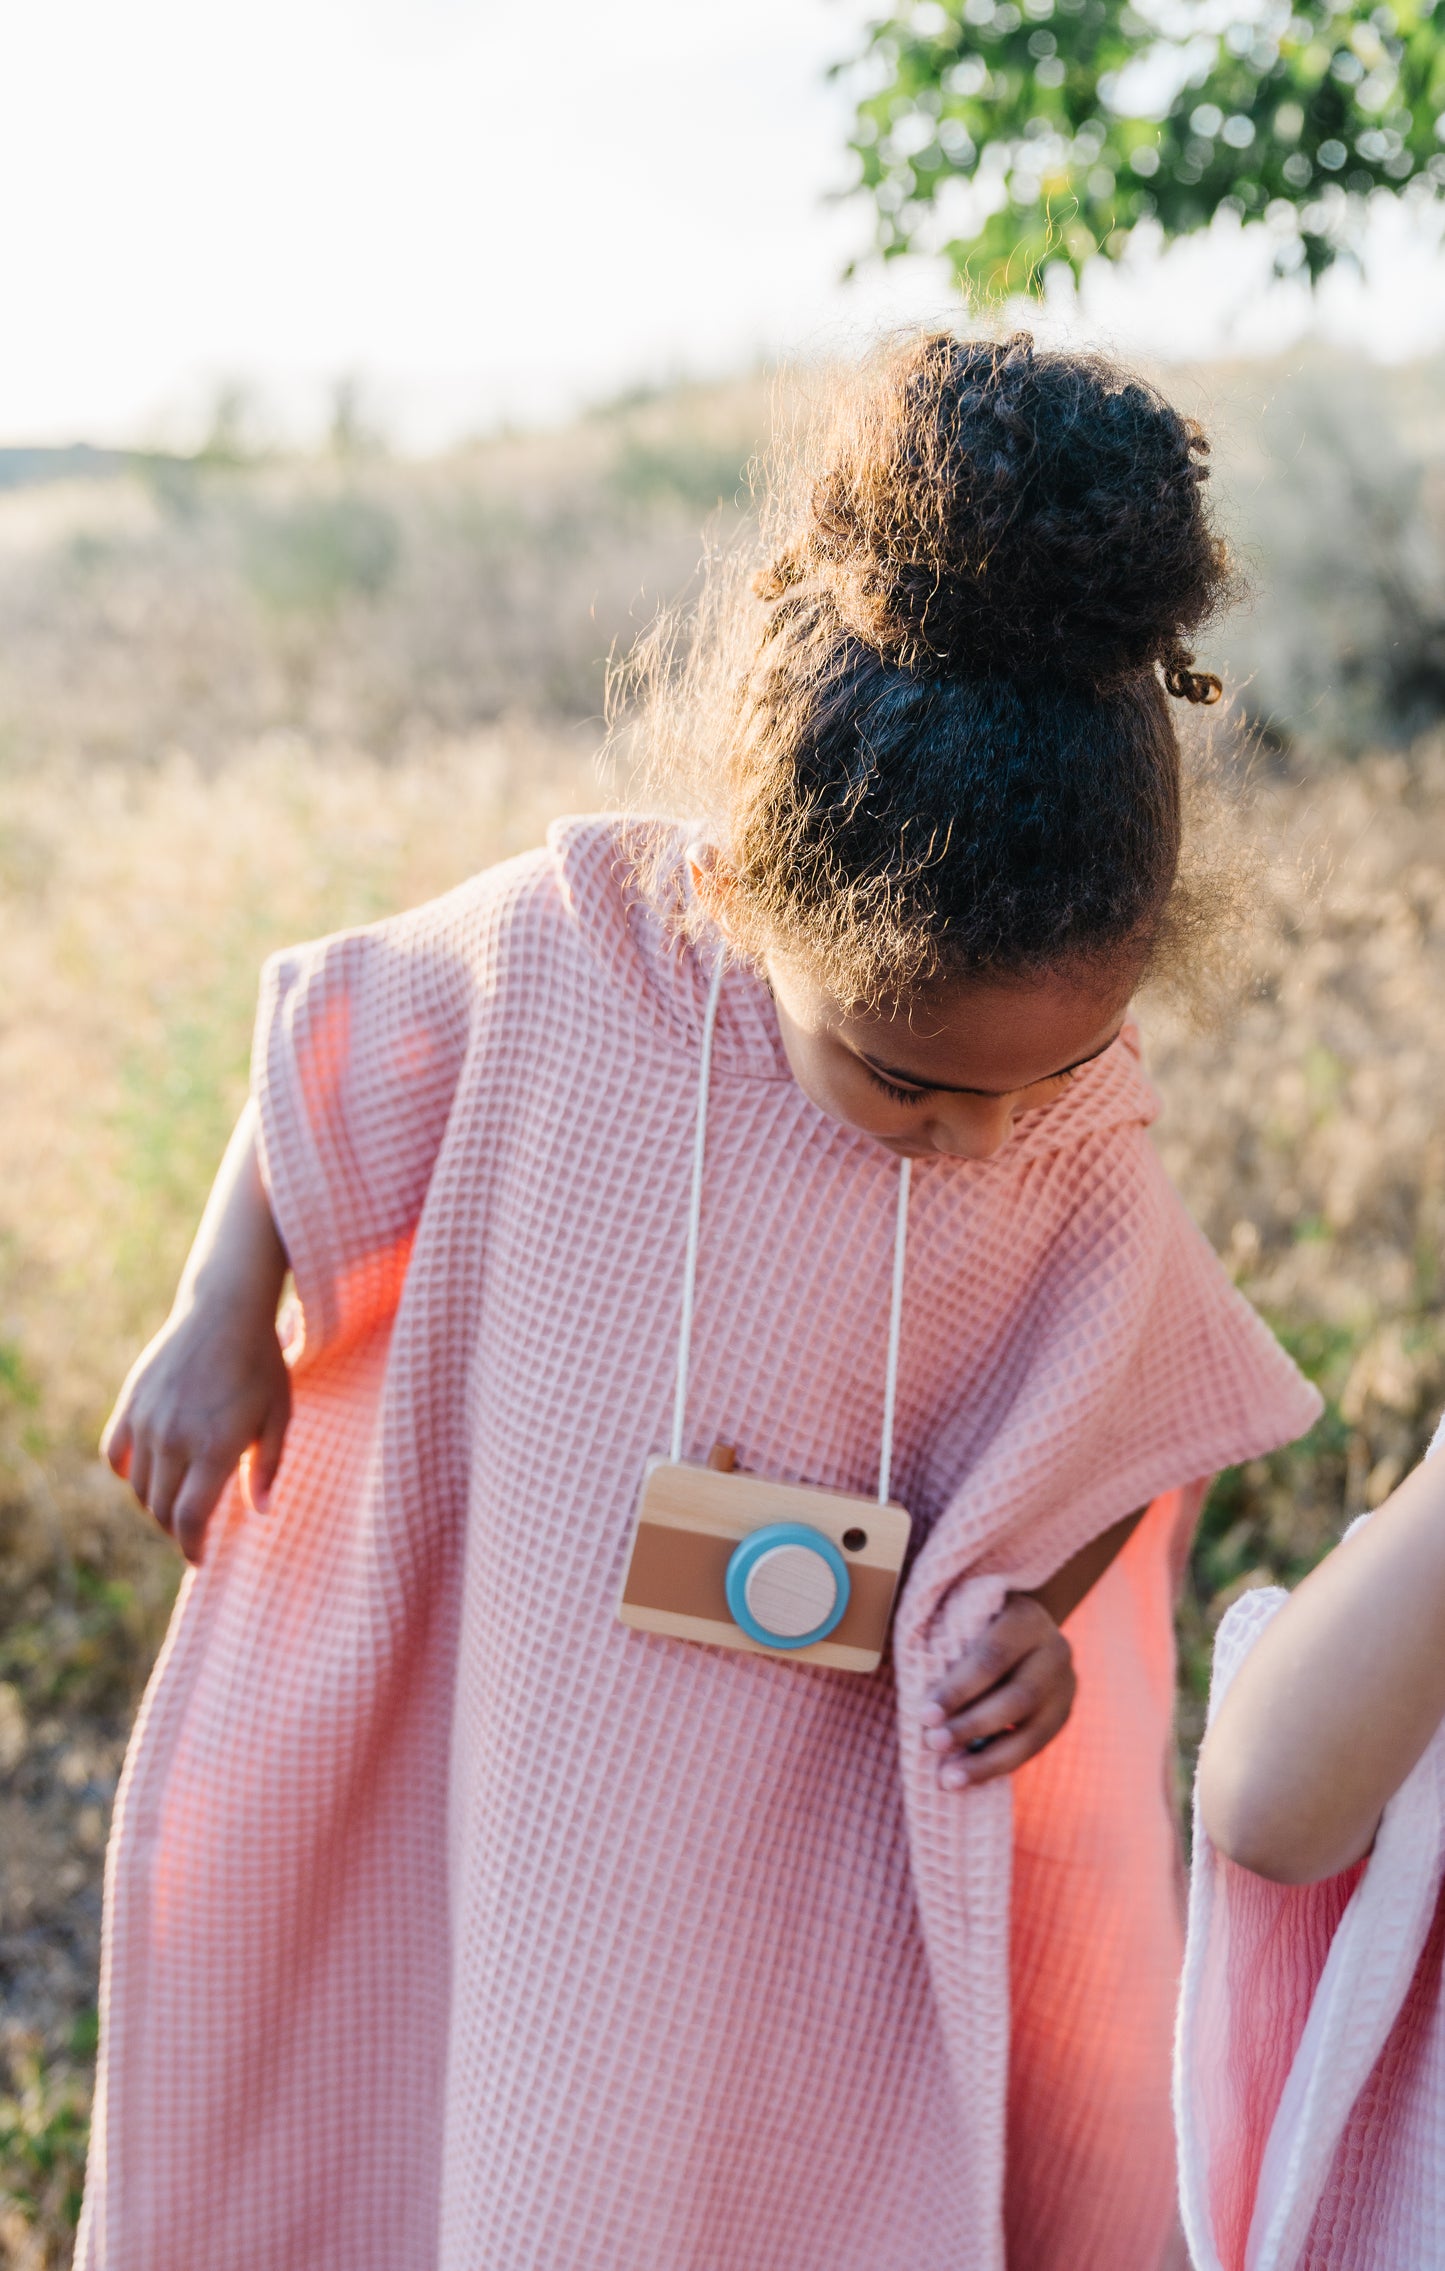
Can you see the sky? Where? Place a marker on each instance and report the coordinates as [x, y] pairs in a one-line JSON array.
[[486, 214]]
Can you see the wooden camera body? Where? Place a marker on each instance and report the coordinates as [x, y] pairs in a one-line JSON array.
[[771, 1568]]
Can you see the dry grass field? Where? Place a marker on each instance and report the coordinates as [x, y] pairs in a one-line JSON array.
[[239, 705]]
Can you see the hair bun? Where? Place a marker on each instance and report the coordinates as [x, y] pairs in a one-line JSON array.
[[988, 509]]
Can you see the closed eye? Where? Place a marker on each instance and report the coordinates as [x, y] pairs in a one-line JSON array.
[[891, 1087], [900, 1095]]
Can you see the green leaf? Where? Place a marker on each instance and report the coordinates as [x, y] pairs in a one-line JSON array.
[[1017, 137]]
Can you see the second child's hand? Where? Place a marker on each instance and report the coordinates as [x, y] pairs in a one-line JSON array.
[[1013, 1688]]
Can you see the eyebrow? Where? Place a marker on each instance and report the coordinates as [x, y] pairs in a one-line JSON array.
[[944, 1088]]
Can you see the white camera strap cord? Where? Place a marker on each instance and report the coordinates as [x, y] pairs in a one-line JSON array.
[[689, 1280]]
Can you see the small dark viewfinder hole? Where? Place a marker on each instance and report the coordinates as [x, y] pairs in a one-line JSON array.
[[855, 1540]]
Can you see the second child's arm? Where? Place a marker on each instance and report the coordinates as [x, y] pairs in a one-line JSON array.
[[212, 1388], [1337, 1699]]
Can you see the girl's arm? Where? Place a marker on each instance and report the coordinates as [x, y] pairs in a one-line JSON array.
[[1012, 1691], [212, 1387], [1337, 1699], [1063, 1592]]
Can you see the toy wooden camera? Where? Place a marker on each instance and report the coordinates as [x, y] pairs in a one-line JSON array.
[[736, 1561]]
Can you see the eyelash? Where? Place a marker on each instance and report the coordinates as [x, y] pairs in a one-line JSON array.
[[891, 1088], [916, 1095]]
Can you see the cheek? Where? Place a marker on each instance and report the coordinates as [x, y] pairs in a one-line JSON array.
[[857, 1101], [832, 1080], [860, 1105], [845, 1091], [1039, 1097]]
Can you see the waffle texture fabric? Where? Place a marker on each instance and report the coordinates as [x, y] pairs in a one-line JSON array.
[[452, 1926], [1310, 2070]]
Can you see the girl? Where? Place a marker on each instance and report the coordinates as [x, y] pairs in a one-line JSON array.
[[1311, 2085], [453, 1924]]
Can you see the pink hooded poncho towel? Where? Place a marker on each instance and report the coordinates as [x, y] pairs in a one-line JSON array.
[[454, 1927], [1310, 2064]]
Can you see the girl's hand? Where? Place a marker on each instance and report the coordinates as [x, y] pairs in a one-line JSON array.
[[1007, 1696], [210, 1390], [213, 1386]]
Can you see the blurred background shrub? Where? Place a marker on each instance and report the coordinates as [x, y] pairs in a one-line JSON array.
[[1334, 484]]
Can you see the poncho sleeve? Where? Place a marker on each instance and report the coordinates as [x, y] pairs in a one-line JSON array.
[[1289, 1998], [360, 1040], [1137, 1369]]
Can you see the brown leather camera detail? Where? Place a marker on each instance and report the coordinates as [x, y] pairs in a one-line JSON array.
[[685, 1572]]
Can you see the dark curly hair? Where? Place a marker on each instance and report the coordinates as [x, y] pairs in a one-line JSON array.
[[947, 749]]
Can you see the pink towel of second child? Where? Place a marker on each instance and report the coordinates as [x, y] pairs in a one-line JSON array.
[[454, 1927], [1310, 2073]]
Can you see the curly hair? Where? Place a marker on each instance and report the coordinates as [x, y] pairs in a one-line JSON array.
[[933, 739]]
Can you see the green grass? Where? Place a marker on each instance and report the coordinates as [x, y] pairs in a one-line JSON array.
[[44, 2129]]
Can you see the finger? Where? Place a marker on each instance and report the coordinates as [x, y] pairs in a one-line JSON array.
[[1006, 1706], [1045, 1677], [196, 1502], [166, 1474], [1005, 1756], [260, 1465], [989, 1658], [1034, 1722], [117, 1442], [140, 1469]]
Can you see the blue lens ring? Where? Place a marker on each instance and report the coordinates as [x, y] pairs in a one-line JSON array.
[[751, 1550]]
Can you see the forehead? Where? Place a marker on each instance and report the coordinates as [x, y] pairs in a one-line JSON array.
[[991, 1038]]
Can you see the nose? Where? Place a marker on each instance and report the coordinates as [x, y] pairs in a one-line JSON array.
[[973, 1127]]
